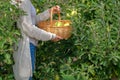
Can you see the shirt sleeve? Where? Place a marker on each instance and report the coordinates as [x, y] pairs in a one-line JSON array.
[[31, 30], [43, 16]]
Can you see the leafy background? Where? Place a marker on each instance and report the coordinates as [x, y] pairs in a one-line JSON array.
[[91, 53]]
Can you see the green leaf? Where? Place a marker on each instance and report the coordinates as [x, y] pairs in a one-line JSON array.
[[0, 78], [68, 77]]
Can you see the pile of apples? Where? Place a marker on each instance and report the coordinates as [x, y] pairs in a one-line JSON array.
[[59, 24]]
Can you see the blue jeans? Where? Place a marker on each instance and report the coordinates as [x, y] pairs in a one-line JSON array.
[[32, 52]]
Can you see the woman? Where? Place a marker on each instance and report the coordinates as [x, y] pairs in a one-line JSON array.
[[24, 56]]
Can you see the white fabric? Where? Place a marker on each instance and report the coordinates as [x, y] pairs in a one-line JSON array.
[[22, 67], [33, 17], [33, 14]]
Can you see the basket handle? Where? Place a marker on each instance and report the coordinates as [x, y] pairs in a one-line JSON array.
[[51, 16]]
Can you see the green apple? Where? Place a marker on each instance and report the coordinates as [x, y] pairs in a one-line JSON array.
[[66, 24], [73, 13], [58, 24]]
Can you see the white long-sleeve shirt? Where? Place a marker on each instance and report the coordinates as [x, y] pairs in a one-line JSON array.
[[33, 16]]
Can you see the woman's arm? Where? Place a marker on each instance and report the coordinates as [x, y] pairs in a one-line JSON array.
[[43, 16], [46, 14], [25, 23]]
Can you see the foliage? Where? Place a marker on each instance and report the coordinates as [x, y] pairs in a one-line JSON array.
[[8, 36], [92, 52]]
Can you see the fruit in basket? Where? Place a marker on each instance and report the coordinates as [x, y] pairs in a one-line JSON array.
[[67, 24], [58, 24]]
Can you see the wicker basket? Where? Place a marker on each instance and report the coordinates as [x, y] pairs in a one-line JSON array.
[[63, 31]]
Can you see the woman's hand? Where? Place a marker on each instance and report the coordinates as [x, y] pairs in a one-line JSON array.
[[57, 38], [56, 9]]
